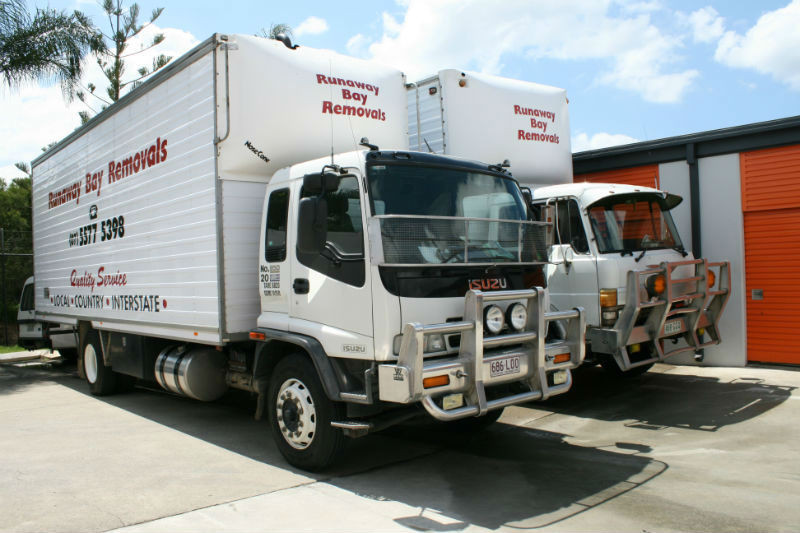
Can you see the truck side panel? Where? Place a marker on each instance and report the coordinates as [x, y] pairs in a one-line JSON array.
[[425, 126], [242, 204], [125, 215]]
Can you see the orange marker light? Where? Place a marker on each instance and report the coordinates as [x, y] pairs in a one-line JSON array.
[[561, 358], [256, 336], [712, 278], [436, 381]]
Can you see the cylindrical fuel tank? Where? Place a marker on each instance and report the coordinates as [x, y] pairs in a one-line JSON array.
[[197, 372]]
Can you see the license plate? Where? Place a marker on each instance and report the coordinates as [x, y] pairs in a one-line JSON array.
[[504, 366], [673, 326]]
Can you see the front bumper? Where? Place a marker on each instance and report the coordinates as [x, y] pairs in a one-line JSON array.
[[687, 307], [521, 357]]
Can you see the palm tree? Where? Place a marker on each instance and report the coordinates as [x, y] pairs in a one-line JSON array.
[[275, 30], [50, 45]]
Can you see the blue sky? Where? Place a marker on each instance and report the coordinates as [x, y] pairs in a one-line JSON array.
[[634, 70]]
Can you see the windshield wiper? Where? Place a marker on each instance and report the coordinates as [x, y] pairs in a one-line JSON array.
[[639, 257], [681, 250]]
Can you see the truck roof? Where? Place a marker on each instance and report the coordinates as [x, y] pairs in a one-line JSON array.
[[589, 192], [354, 159]]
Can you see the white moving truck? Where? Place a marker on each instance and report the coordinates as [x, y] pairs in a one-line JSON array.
[[221, 227], [616, 254]]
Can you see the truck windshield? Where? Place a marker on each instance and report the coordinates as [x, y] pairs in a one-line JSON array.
[[630, 223], [430, 191], [435, 215]]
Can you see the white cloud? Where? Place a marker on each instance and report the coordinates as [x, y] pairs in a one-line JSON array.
[[357, 45], [770, 47], [582, 142], [9, 172], [706, 24], [634, 54], [311, 26], [35, 116]]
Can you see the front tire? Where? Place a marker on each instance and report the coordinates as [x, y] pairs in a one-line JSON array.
[[101, 379], [300, 415]]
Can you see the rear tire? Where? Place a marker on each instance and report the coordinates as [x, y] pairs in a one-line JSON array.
[[300, 415], [101, 379]]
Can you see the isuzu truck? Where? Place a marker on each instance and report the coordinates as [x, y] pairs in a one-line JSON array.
[[251, 217], [616, 252]]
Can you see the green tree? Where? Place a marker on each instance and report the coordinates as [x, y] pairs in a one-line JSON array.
[[123, 25], [17, 262], [50, 45]]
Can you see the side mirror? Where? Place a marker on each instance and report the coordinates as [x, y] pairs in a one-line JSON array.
[[312, 225], [321, 183]]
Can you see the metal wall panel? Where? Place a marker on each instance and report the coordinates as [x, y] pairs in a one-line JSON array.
[[644, 176]]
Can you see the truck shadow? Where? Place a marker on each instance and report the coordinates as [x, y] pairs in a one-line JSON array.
[[658, 401], [507, 475]]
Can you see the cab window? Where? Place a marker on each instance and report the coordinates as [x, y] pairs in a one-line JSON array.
[[343, 257]]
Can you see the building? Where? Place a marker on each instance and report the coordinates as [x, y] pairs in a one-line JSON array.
[[741, 190]]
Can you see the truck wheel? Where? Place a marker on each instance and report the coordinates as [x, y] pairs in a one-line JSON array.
[[300, 414], [101, 379]]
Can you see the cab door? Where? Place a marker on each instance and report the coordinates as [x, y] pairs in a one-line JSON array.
[[572, 274], [31, 332], [330, 291]]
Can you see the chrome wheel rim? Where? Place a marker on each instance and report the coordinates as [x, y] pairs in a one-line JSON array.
[[296, 415], [90, 363]]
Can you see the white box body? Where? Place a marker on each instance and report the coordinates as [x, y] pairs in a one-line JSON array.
[[170, 159]]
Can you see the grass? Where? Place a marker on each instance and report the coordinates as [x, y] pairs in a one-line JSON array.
[[11, 349]]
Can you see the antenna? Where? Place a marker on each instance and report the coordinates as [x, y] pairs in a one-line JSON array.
[[330, 74]]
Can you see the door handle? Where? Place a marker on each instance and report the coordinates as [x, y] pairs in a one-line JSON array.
[[300, 286]]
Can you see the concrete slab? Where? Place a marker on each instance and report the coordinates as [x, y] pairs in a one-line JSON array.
[[678, 449]]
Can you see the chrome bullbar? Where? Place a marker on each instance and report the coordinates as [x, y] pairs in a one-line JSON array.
[[532, 359], [689, 308]]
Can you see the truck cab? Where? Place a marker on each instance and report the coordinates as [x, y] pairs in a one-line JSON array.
[[617, 253], [35, 333], [408, 279]]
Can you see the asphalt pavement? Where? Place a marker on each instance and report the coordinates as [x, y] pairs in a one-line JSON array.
[[678, 449]]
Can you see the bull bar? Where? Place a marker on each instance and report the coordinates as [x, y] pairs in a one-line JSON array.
[[673, 314], [470, 371]]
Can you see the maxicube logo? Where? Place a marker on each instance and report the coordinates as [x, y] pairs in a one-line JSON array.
[[488, 284]]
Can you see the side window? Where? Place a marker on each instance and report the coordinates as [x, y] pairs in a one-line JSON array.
[[277, 216], [570, 226], [343, 257], [26, 301]]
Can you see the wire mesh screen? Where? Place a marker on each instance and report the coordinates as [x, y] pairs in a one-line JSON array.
[[413, 240]]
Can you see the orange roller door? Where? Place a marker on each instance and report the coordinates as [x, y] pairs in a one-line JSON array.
[[645, 176], [771, 205]]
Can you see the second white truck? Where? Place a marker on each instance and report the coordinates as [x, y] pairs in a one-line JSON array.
[[617, 253]]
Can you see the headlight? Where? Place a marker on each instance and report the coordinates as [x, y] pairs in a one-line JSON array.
[[434, 343], [517, 316], [493, 319]]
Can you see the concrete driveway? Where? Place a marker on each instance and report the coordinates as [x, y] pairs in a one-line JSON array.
[[679, 449]]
